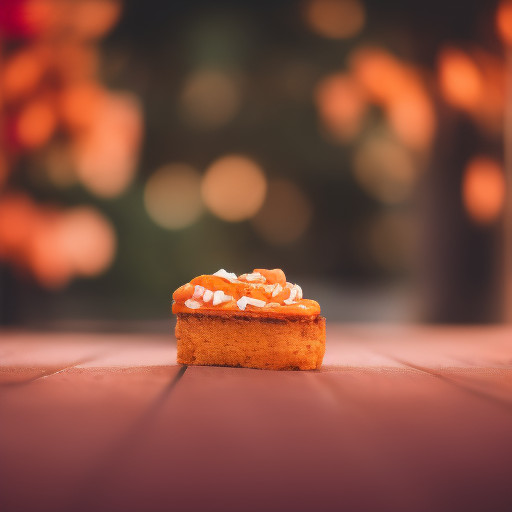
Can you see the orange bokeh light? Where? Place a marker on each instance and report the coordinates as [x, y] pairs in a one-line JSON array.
[[234, 188], [413, 120], [399, 89], [36, 124], [460, 79], [106, 154], [92, 19], [87, 239], [483, 189], [504, 21], [342, 105], [21, 74], [382, 75], [17, 216], [79, 104], [335, 19]]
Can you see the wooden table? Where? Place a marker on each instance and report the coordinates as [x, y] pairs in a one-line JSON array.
[[399, 418]]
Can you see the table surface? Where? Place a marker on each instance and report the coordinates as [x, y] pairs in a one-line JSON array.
[[399, 418]]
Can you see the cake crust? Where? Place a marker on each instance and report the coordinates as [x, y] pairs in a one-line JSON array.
[[274, 343]]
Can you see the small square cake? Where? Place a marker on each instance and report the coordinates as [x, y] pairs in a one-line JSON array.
[[256, 320]]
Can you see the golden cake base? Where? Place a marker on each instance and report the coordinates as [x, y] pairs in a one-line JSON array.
[[294, 343]]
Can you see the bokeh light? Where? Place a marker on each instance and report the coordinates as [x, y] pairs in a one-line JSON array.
[[87, 239], [36, 123], [483, 189], [385, 170], [106, 155], [504, 21], [399, 89], [286, 214], [21, 74], [335, 19], [460, 79], [210, 99], [92, 19], [234, 188], [412, 118], [342, 105], [80, 104], [172, 196]]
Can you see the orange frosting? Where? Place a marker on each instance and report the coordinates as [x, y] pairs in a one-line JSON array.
[[268, 291]]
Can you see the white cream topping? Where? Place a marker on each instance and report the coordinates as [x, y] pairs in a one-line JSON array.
[[230, 276], [219, 297], [255, 276], [299, 291], [192, 304], [208, 294], [198, 292], [242, 302], [278, 289], [289, 302]]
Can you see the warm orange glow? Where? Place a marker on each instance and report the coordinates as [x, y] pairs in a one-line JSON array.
[[341, 104], [36, 124], [504, 21], [335, 19], [460, 79], [385, 170], [17, 215], [412, 118], [210, 99], [88, 240], [21, 74], [80, 104], [483, 190], [172, 196], [48, 263], [74, 61], [92, 19], [40, 15], [106, 155], [285, 215], [489, 110], [234, 188], [383, 76]]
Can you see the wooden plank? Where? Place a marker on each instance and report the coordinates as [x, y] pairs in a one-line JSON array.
[[478, 359], [57, 430], [376, 439]]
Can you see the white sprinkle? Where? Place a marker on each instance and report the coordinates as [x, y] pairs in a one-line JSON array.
[[272, 304], [289, 285], [192, 304], [293, 294], [299, 291], [243, 301], [230, 276], [198, 292], [289, 302], [269, 288], [277, 289], [207, 297], [255, 276], [301, 306], [219, 297]]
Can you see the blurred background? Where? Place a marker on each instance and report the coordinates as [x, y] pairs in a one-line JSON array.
[[359, 145]]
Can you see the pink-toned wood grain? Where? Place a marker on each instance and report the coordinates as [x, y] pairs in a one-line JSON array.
[[399, 418], [57, 430]]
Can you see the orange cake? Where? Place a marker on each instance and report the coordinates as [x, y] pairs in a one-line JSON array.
[[255, 320]]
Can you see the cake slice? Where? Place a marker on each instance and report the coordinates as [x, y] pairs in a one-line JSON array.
[[256, 320]]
